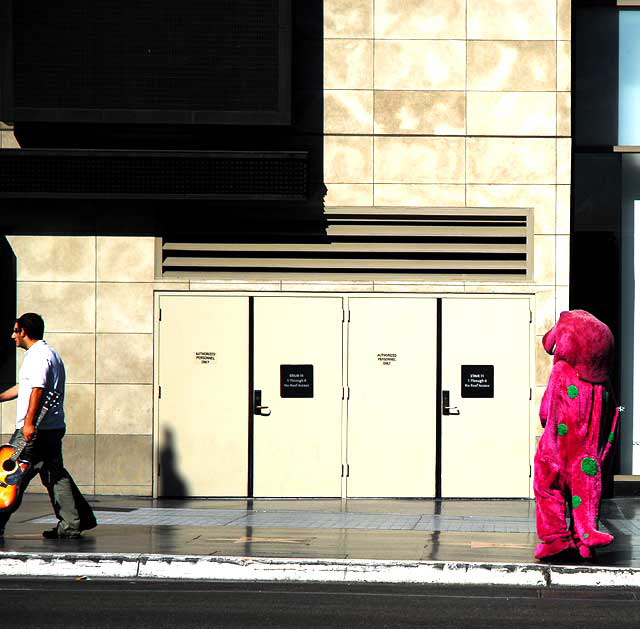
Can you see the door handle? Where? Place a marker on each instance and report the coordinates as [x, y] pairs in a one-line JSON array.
[[446, 409], [258, 409]]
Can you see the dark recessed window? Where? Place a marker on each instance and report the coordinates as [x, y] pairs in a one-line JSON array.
[[169, 61]]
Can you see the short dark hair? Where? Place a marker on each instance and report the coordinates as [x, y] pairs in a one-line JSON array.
[[32, 324]]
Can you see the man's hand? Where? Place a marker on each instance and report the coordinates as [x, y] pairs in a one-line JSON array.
[[28, 431], [35, 400]]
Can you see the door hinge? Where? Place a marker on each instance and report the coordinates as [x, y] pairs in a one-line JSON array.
[[530, 316], [158, 468], [160, 314], [530, 394], [346, 393], [159, 392], [343, 466], [529, 471]]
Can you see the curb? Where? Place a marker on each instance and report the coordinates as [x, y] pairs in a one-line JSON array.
[[197, 567]]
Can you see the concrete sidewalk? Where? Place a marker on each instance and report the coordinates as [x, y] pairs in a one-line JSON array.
[[406, 541]]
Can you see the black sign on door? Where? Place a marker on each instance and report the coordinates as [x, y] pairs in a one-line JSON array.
[[477, 381], [296, 380]]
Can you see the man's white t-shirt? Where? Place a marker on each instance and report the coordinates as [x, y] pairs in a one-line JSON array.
[[43, 368]]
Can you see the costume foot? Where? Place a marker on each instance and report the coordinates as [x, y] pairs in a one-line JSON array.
[[56, 533], [550, 549], [596, 538], [585, 551]]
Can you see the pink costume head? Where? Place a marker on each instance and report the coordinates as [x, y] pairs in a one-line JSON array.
[[583, 342]]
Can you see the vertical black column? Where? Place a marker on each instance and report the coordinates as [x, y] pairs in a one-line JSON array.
[[250, 405], [439, 398]]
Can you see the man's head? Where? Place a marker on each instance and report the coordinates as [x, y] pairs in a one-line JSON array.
[[28, 329]]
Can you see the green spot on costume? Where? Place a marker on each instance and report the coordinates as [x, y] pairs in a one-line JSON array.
[[589, 466]]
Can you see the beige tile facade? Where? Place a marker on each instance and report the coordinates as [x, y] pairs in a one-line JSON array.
[[427, 103], [96, 296], [471, 108]]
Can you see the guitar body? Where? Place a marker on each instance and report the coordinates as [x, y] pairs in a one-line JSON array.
[[11, 473]]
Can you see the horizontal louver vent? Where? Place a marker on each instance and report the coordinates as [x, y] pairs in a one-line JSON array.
[[153, 174], [441, 242]]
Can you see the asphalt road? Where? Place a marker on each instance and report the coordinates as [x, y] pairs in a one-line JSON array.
[[156, 604]]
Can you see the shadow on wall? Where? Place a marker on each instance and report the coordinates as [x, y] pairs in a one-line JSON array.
[[171, 484], [8, 305]]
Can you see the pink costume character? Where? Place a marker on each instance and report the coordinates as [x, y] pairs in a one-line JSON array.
[[580, 419]]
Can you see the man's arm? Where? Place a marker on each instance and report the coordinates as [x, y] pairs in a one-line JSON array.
[[9, 394], [35, 400]]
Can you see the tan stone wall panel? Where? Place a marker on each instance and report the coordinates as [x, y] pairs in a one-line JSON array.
[[419, 65], [348, 159], [123, 460], [511, 66], [419, 160], [562, 260], [564, 66], [8, 140], [348, 64], [235, 285], [64, 306], [542, 198], [123, 490], [357, 194], [511, 113], [348, 18], [348, 111], [80, 409], [124, 307], [545, 316], [564, 19], [125, 259], [564, 113], [544, 362], [544, 260], [563, 161], [78, 352], [124, 409], [419, 195], [511, 160], [9, 416], [419, 113], [124, 359], [420, 19], [563, 209], [562, 299], [511, 19], [55, 258], [79, 458]]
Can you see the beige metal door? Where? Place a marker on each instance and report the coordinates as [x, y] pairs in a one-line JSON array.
[[485, 449], [391, 441], [203, 406], [298, 370]]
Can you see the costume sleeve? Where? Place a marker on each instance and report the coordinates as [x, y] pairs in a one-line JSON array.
[[547, 399], [544, 407]]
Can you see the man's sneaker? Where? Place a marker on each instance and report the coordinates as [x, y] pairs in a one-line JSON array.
[[56, 533]]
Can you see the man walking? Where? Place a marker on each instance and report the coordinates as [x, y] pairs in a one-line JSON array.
[[42, 369]]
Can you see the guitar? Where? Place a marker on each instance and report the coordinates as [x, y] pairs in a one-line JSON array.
[[11, 468]]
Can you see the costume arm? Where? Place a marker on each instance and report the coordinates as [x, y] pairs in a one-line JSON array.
[[544, 407]]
